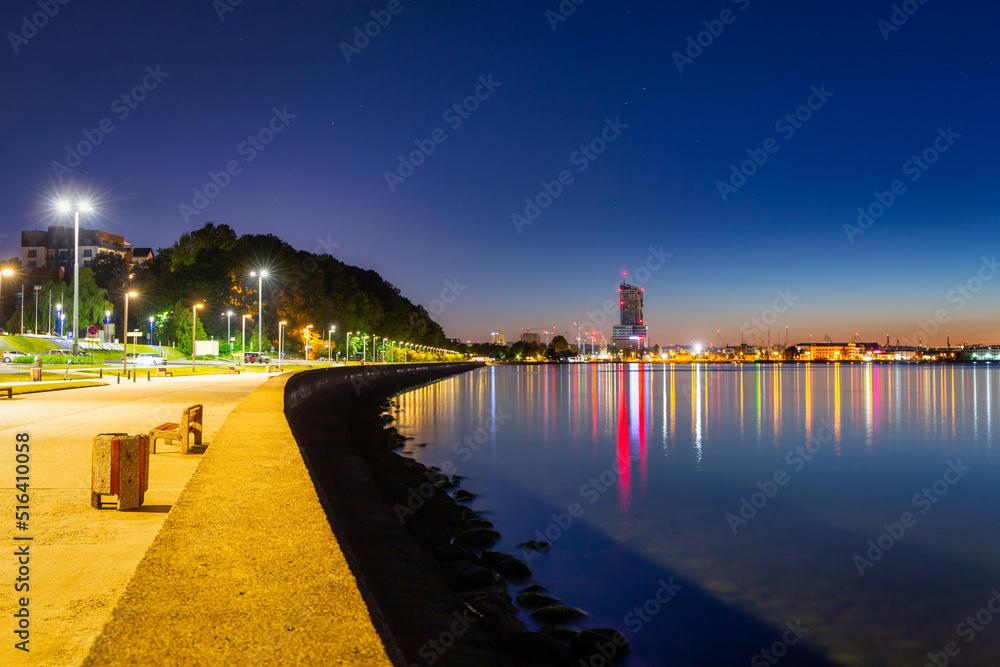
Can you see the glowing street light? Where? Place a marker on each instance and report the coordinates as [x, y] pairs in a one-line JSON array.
[[260, 305], [308, 327], [107, 326], [330, 344], [347, 353], [194, 329], [59, 318], [364, 349], [66, 206], [151, 318], [125, 345]]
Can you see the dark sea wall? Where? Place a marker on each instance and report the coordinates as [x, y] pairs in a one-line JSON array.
[[422, 558]]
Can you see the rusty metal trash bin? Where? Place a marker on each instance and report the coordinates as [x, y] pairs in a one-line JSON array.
[[36, 374], [120, 468]]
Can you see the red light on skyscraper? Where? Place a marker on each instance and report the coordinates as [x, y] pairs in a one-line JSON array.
[[621, 303]]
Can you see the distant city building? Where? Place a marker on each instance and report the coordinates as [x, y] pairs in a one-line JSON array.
[[142, 255], [631, 333], [54, 247], [528, 337], [499, 339]]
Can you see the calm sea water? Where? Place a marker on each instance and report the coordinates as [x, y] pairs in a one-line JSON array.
[[841, 514]]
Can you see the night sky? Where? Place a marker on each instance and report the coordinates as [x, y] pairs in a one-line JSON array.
[[641, 124]]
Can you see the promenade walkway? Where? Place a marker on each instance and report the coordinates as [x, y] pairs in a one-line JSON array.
[[81, 558]]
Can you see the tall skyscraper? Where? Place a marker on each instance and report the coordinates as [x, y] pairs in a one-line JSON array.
[[631, 333]]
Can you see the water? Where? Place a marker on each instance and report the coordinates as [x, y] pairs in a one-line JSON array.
[[638, 474]]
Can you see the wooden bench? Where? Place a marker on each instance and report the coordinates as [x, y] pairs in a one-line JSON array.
[[172, 432], [233, 369], [162, 371], [9, 390]]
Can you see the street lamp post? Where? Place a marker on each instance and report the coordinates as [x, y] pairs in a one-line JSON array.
[[243, 345], [330, 345], [281, 342], [151, 318], [76, 207], [385, 339], [308, 327], [107, 326], [38, 288], [364, 349], [347, 352], [125, 329], [59, 318], [229, 337], [194, 335], [260, 305]]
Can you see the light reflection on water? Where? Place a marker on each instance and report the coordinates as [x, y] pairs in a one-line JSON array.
[[682, 447]]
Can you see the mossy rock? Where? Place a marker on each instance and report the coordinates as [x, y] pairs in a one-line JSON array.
[[478, 539], [464, 496], [558, 632], [497, 600], [557, 614], [537, 600], [535, 545], [506, 565], [478, 522], [497, 590], [535, 588]]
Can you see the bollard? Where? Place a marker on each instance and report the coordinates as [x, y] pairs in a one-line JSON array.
[[119, 376], [147, 376], [100, 375], [135, 374]]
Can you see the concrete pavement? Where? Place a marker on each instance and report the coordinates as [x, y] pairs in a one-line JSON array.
[[246, 569], [81, 558]]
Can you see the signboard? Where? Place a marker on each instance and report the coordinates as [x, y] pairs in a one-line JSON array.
[[133, 334], [91, 331]]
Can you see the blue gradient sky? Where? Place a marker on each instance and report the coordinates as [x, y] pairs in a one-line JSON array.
[[656, 185]]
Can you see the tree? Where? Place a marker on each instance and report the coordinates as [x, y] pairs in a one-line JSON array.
[[92, 300], [110, 270], [182, 328]]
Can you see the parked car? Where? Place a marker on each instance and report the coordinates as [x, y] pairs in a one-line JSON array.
[[256, 358], [10, 355], [150, 359], [57, 353]]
